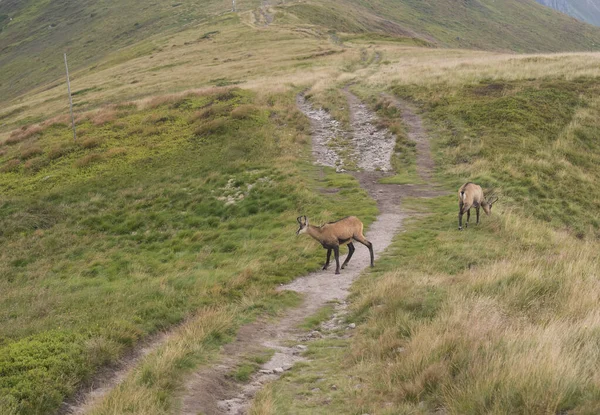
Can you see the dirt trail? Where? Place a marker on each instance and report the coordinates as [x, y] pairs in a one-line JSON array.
[[416, 133], [110, 377], [264, 15], [210, 391]]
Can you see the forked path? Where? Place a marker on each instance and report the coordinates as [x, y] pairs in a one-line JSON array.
[[211, 391]]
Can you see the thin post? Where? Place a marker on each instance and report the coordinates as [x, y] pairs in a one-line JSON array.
[[71, 99]]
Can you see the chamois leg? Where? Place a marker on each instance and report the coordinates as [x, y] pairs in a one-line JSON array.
[[350, 252], [463, 208], [365, 242], [468, 217], [477, 210], [336, 252], [328, 258]]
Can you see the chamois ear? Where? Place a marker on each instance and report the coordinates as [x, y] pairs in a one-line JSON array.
[[305, 220], [299, 219]]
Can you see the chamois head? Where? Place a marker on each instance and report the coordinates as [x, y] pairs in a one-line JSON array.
[[303, 222], [488, 203]]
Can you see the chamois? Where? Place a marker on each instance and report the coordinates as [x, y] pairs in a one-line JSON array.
[[332, 235], [471, 195]]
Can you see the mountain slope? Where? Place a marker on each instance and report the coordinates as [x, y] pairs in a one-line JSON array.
[[584, 10], [35, 33], [510, 25]]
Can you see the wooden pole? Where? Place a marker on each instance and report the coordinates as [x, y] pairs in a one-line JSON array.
[[70, 99]]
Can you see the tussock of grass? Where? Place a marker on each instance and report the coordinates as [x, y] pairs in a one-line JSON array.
[[250, 365], [23, 134], [313, 322], [10, 165], [91, 142], [146, 389], [30, 151]]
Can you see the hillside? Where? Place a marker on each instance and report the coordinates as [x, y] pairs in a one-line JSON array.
[[583, 10], [510, 25], [35, 33], [156, 243]]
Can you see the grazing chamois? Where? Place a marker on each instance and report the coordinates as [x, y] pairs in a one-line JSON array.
[[471, 195], [333, 234]]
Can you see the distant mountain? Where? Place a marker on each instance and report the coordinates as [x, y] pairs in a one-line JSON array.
[[584, 10], [500, 25]]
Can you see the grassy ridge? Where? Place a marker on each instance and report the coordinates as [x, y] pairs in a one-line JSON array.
[[154, 213], [101, 35]]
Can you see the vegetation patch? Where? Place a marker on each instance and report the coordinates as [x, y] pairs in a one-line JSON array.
[[105, 245], [530, 139]]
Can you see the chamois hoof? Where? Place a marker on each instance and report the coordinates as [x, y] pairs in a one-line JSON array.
[[324, 267], [460, 228], [337, 273]]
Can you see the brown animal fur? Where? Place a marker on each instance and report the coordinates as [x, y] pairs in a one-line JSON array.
[[332, 235], [470, 196]]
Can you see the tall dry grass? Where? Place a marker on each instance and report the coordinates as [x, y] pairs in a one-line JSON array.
[[517, 334], [421, 66], [148, 384]]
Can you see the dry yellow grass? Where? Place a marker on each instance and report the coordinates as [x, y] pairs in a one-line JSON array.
[[143, 389], [423, 66], [517, 334]]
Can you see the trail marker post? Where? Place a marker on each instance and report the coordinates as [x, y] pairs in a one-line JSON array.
[[71, 99]]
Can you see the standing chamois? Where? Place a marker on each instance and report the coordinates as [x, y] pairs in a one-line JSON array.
[[333, 234], [471, 195]]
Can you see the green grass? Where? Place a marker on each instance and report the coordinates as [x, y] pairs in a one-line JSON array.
[[314, 321], [499, 318], [187, 204], [250, 365], [531, 140]]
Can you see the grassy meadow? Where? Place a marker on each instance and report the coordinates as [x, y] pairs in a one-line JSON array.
[[175, 210], [501, 317], [153, 214]]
